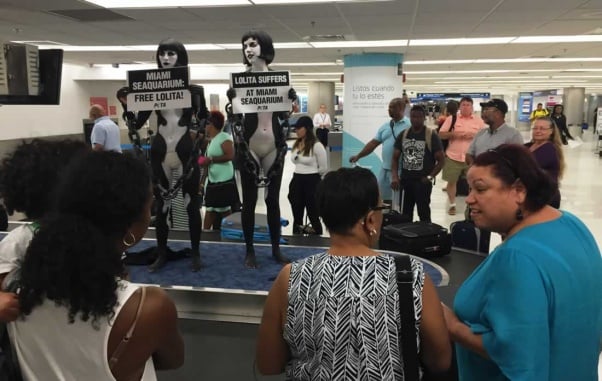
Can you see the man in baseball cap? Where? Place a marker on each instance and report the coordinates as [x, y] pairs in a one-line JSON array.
[[497, 103], [493, 113]]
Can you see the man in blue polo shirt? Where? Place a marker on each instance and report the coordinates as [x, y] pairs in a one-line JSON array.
[[105, 133], [386, 135]]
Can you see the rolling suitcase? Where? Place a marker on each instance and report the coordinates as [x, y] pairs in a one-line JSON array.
[[467, 237], [423, 239], [394, 216], [231, 228]]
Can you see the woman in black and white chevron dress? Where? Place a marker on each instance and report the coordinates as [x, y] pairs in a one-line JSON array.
[[335, 315]]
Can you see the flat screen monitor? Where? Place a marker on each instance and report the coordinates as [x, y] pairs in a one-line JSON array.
[[50, 69]]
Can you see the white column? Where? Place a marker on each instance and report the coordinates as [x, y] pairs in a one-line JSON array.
[[573, 100]]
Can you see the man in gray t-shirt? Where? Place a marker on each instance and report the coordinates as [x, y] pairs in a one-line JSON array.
[[493, 113]]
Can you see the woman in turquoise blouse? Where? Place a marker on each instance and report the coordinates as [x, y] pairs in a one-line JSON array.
[[218, 161], [532, 310]]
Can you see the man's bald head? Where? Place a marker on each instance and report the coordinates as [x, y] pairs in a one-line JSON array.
[[96, 111], [396, 107]]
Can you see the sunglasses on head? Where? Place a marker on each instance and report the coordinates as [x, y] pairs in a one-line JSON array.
[[507, 162]]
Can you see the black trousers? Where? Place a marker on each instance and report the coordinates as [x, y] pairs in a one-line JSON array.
[[322, 135], [564, 134], [302, 196], [416, 192]]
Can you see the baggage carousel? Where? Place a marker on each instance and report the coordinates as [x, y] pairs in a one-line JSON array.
[[224, 290]]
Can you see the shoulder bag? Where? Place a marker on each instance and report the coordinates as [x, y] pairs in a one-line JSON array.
[[407, 337], [409, 349]]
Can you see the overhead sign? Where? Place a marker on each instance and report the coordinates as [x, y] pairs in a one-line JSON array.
[[265, 91], [158, 89], [543, 93], [443, 96]]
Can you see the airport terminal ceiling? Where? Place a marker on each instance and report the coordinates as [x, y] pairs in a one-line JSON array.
[[472, 45]]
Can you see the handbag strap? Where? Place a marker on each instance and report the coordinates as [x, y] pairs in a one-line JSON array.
[[407, 339], [392, 125], [126, 339]]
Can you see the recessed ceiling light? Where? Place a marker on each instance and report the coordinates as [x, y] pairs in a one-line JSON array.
[[557, 39], [114, 4], [202, 3], [461, 41]]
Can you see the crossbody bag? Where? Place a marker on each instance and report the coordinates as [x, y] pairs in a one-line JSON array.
[[407, 337]]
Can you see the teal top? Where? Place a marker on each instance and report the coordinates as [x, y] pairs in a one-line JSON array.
[[219, 172], [537, 303]]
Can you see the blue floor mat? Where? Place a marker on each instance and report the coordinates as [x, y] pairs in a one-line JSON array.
[[224, 266]]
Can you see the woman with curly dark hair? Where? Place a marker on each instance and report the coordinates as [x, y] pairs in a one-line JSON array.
[[27, 178], [103, 327]]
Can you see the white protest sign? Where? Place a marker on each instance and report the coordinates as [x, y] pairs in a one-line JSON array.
[[158, 89], [261, 91]]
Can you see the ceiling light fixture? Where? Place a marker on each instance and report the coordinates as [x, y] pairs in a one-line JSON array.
[[303, 64], [503, 60], [115, 4], [512, 81], [359, 44], [477, 78], [461, 41], [126, 48], [367, 44], [557, 39], [487, 71]]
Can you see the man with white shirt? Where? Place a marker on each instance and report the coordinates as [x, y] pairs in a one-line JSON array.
[[105, 133], [322, 125]]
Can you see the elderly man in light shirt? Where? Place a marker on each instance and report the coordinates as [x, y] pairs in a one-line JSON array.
[[105, 133]]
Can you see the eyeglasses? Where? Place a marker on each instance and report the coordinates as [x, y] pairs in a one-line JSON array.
[[506, 161], [540, 128], [381, 207]]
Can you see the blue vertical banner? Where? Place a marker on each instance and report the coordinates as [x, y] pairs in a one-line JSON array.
[[371, 81], [525, 106]]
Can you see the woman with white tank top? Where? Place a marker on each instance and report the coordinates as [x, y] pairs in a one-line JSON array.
[[81, 320]]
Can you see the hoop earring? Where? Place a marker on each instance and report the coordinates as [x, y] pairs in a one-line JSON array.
[[133, 239], [519, 214]]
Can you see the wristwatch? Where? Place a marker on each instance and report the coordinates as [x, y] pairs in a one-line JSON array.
[[429, 178]]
